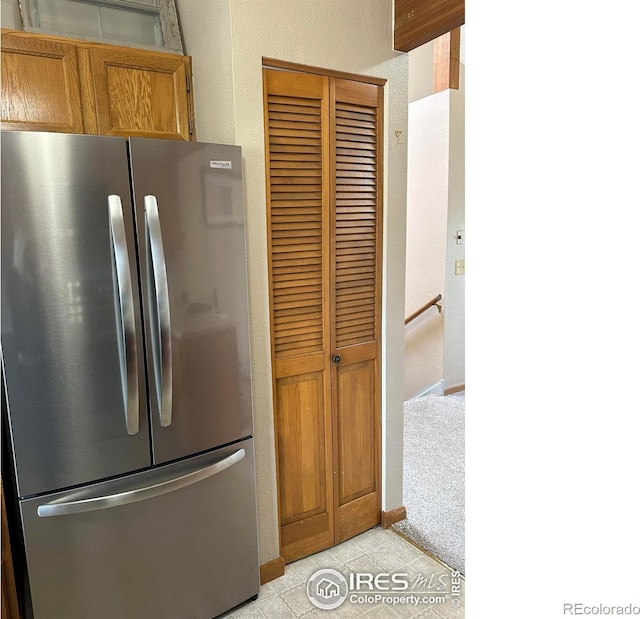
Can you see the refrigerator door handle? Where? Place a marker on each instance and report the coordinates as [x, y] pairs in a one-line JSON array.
[[125, 316], [161, 343], [64, 507]]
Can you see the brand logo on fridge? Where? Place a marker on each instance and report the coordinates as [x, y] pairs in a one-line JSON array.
[[224, 165]]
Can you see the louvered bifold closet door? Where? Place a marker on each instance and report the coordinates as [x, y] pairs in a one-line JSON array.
[[356, 255], [297, 139]]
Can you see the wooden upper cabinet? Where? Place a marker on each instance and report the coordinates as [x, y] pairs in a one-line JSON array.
[[141, 94], [69, 86], [40, 85], [417, 22]]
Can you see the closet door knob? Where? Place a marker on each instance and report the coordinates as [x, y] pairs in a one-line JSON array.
[[336, 358]]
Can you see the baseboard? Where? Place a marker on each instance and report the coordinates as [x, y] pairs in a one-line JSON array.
[[271, 570], [454, 389], [437, 389], [393, 516]]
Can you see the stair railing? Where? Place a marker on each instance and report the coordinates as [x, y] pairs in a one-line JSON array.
[[424, 308]]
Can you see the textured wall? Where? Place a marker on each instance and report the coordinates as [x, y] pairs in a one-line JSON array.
[[421, 72], [206, 28], [427, 204], [10, 15], [454, 323], [354, 36], [435, 346]]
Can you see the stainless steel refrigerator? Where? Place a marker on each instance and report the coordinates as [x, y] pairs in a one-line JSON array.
[[125, 353]]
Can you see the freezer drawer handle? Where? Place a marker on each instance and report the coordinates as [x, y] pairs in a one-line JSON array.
[[62, 507], [161, 335], [125, 316]]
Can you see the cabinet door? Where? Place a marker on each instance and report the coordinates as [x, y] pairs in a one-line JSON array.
[[356, 256], [297, 150], [40, 85], [323, 147], [143, 94]]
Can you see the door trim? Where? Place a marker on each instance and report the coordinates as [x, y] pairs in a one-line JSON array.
[[271, 570], [392, 516], [272, 63]]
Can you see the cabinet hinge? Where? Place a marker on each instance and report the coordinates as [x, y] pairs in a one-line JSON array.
[[188, 84], [191, 126]]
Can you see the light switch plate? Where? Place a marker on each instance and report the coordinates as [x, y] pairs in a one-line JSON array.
[[460, 267]]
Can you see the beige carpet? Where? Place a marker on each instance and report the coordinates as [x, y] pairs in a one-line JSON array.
[[433, 478]]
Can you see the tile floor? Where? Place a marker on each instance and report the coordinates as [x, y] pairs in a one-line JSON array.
[[375, 551]]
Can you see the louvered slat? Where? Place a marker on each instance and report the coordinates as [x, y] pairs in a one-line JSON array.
[[355, 224], [295, 180]]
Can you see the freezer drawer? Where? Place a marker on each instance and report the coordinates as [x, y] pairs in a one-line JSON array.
[[177, 542]]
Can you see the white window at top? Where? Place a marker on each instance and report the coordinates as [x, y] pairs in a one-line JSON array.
[[151, 24]]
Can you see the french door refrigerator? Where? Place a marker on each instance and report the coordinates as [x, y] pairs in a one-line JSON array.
[[126, 372]]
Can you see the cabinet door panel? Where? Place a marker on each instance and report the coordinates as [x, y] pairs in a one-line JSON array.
[[301, 435], [356, 431], [358, 488], [304, 458], [141, 94], [40, 85]]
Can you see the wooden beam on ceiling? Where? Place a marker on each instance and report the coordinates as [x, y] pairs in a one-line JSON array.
[[446, 61], [419, 21]]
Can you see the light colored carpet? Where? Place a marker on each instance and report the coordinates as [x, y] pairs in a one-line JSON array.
[[433, 476]]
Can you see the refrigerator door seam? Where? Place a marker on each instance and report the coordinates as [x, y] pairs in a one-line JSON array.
[[63, 507]]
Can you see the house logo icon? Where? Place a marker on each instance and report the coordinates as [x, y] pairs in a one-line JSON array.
[[327, 589]]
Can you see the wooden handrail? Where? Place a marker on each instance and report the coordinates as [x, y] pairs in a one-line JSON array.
[[424, 308]]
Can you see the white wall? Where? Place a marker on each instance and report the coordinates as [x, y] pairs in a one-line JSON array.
[[434, 344], [10, 15], [356, 37], [206, 28], [427, 205], [421, 72], [454, 323]]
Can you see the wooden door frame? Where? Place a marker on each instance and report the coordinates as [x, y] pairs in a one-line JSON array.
[[294, 67]]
